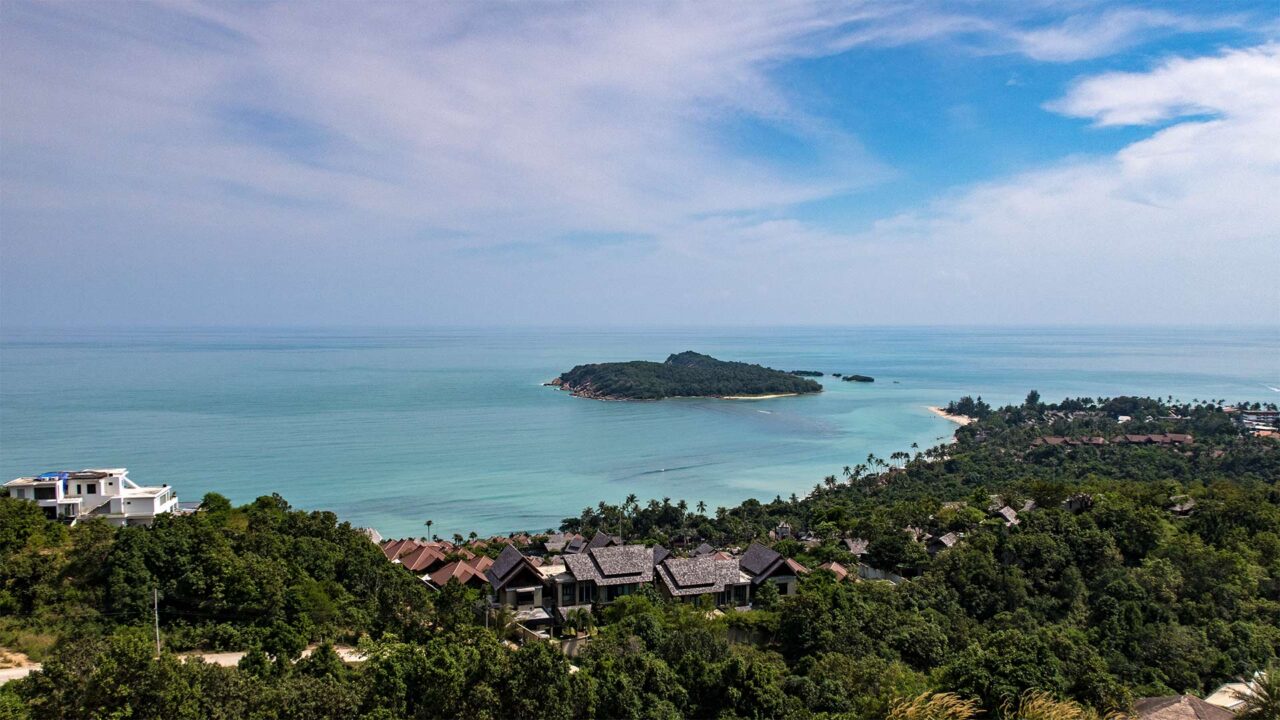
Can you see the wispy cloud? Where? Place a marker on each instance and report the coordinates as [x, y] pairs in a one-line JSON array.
[[247, 151]]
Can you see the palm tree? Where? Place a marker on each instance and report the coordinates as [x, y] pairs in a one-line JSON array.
[[504, 622], [702, 508], [429, 523], [1263, 700]]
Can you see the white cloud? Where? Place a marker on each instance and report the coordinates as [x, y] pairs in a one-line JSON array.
[[1091, 35], [1239, 83], [257, 154]]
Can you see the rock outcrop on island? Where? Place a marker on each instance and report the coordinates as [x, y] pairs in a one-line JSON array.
[[686, 374]]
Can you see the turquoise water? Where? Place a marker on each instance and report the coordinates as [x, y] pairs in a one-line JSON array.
[[390, 427]]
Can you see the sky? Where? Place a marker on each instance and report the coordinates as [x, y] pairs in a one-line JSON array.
[[639, 163]]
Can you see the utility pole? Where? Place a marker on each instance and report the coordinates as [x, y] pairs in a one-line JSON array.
[[155, 609]]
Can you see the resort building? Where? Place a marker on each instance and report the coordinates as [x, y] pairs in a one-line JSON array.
[[604, 574], [763, 564], [517, 583], [706, 576], [1178, 707], [103, 493]]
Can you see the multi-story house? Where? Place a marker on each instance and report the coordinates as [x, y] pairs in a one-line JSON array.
[[106, 493], [764, 564], [720, 579]]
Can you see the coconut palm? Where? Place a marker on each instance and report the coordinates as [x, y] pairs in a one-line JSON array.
[[429, 523], [1263, 700], [702, 508]]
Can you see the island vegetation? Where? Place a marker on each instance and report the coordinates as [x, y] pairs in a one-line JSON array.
[[858, 378], [686, 374], [1080, 576], [807, 373]]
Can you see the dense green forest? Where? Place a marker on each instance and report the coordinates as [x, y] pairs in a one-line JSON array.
[[686, 374], [1133, 569]]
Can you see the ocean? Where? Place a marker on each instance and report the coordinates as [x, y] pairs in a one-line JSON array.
[[391, 427]]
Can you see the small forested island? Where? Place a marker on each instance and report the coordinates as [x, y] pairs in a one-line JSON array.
[[859, 378], [686, 374], [807, 373]]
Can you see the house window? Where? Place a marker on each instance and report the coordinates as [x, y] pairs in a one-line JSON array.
[[524, 597], [78, 491], [91, 489], [46, 493], [586, 593], [567, 593]]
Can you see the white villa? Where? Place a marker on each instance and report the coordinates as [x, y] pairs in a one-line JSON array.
[[107, 493]]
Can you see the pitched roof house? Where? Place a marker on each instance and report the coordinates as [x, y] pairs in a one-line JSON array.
[[1178, 707], [835, 568], [943, 542], [660, 553], [766, 564], [457, 570], [425, 558], [704, 576], [517, 584], [857, 546], [604, 574], [601, 540]]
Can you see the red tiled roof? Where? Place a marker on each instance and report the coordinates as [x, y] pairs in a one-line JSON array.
[[459, 571], [422, 559], [840, 571], [796, 567]]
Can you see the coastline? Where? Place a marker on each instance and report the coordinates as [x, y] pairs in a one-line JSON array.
[[758, 397], [960, 420]]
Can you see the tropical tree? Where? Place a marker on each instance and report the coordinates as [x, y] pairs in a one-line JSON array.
[[1263, 700]]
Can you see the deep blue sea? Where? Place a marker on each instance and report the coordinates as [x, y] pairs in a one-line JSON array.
[[390, 427]]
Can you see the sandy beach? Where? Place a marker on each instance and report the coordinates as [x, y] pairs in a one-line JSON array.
[[957, 419], [757, 397]]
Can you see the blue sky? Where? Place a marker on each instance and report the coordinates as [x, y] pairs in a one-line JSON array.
[[639, 163]]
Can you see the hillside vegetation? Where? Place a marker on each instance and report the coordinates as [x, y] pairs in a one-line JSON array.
[[1110, 586]]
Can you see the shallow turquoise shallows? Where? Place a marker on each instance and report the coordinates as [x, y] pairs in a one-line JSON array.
[[391, 427]]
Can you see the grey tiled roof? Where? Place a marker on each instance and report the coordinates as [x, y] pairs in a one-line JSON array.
[[509, 560], [698, 575], [602, 540], [659, 554], [857, 546], [703, 549], [759, 559], [616, 565]]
